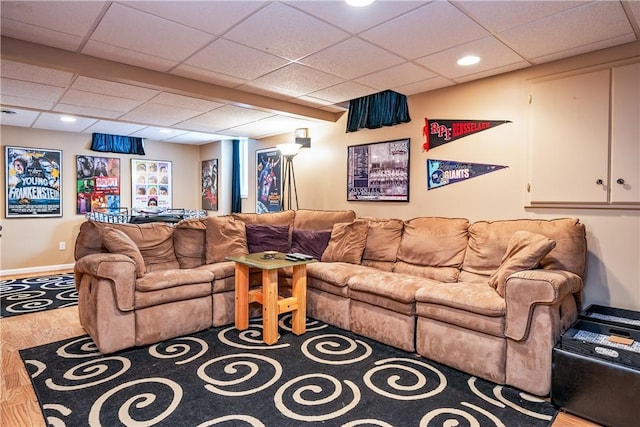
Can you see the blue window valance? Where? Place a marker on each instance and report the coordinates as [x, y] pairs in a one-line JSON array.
[[117, 144], [385, 108]]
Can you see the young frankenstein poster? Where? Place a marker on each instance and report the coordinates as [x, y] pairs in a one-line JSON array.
[[33, 182], [268, 185], [98, 184]]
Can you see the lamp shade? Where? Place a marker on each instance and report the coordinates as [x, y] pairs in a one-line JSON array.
[[288, 150]]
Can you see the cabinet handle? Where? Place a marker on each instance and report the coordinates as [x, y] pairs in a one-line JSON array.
[[620, 181], [599, 182]]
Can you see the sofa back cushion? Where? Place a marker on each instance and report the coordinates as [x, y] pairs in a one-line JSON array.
[[225, 236], [437, 243], [383, 241], [267, 237], [189, 242], [118, 242], [272, 218], [307, 219], [347, 242], [89, 240], [155, 241], [488, 241]]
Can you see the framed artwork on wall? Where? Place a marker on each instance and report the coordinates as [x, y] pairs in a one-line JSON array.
[[97, 184], [210, 185], [33, 182], [268, 180], [151, 187], [378, 171]]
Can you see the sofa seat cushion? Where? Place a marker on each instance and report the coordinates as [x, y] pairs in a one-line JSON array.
[[336, 273], [171, 295], [224, 273], [165, 279], [474, 297], [440, 274]]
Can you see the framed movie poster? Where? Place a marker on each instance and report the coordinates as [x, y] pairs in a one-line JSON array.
[[34, 182], [150, 184], [268, 180], [210, 185], [378, 171], [97, 184]]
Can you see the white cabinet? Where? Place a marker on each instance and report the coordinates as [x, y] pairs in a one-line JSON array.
[[585, 138]]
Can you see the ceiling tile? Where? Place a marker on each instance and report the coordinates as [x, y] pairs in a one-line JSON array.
[[492, 53], [196, 138], [195, 73], [233, 59], [52, 121], [575, 27], [33, 73], [423, 86], [196, 104], [120, 90], [141, 32], [39, 35], [493, 71], [214, 17], [38, 104], [399, 75], [127, 56], [227, 117], [353, 19], [97, 100], [23, 89], [113, 128], [352, 58], [284, 31], [343, 92], [86, 111], [433, 27], [628, 38], [23, 118], [157, 133], [295, 80], [159, 115]]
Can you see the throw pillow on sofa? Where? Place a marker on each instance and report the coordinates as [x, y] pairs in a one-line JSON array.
[[524, 252], [118, 242], [267, 237], [347, 242], [224, 237], [310, 242]]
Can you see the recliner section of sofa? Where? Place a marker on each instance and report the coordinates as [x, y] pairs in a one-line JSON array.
[[423, 285]]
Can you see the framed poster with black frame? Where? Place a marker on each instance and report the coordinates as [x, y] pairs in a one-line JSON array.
[[378, 171], [33, 182], [151, 185], [268, 180], [210, 185]]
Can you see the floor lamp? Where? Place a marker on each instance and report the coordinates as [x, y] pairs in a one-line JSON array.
[[288, 152]]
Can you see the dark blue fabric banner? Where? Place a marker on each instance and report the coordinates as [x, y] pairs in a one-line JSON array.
[[117, 144], [385, 108]]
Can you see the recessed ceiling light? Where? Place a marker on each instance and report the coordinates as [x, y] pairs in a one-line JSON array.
[[67, 119], [359, 3], [468, 60]]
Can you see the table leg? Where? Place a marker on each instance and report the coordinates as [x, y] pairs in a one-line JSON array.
[[270, 306], [242, 296], [299, 292]]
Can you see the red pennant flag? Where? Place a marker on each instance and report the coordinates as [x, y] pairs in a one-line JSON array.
[[438, 132]]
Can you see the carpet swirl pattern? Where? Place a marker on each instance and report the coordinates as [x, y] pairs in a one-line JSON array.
[[28, 295], [224, 377]]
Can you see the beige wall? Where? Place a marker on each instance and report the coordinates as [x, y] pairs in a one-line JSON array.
[[613, 276]]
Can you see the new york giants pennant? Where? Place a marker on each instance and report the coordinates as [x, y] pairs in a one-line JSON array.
[[445, 172], [438, 132]]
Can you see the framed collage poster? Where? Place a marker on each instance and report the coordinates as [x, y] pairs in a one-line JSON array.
[[210, 185], [150, 184], [97, 184], [378, 171], [33, 182], [269, 180]]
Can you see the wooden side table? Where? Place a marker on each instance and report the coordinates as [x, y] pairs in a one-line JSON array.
[[267, 295]]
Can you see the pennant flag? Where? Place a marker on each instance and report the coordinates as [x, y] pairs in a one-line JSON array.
[[444, 172], [438, 132]]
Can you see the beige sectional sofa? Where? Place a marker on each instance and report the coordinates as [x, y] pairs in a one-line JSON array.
[[488, 298]]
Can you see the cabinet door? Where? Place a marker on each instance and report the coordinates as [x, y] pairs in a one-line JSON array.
[[570, 139], [625, 134]]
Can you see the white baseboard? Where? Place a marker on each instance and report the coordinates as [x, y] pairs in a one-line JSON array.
[[41, 269]]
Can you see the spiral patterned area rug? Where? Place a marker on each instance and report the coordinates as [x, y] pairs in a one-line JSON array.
[[28, 295], [225, 377]]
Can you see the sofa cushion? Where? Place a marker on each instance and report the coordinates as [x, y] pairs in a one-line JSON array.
[[225, 236], [89, 240], [383, 239], [307, 219], [524, 252], [267, 237], [310, 242], [189, 237], [272, 218], [488, 241], [347, 242], [118, 242], [154, 240], [441, 274]]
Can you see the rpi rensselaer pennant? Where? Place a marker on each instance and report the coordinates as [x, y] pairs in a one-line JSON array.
[[438, 132]]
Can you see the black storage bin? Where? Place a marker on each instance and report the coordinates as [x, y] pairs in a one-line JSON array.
[[613, 316]]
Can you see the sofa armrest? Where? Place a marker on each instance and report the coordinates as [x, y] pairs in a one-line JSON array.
[[117, 269], [526, 289]]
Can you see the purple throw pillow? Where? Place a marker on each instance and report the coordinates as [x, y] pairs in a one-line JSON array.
[[266, 237], [310, 242]]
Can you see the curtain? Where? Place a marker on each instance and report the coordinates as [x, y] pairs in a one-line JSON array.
[[385, 108], [236, 199], [117, 144]]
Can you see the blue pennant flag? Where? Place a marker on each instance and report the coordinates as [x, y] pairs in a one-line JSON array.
[[445, 172]]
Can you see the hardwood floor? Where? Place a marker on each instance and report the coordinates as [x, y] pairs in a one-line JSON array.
[[18, 403]]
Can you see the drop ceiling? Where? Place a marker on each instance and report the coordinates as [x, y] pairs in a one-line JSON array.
[[205, 70]]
